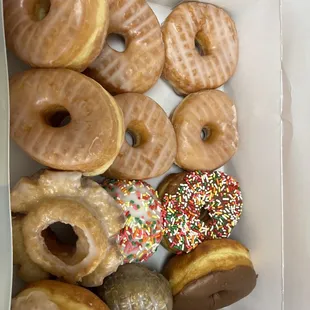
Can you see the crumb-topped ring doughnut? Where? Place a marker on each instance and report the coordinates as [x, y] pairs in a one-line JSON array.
[[142, 233], [198, 206]]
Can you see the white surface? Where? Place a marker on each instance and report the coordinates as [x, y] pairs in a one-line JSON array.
[[256, 90]]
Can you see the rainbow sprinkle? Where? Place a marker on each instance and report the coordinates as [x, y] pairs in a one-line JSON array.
[[143, 230], [216, 193]]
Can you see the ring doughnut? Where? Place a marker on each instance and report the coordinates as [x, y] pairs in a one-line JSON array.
[[41, 98], [55, 33], [206, 129], [216, 274], [210, 27], [139, 67], [198, 206], [142, 233], [55, 295], [53, 196], [154, 143]]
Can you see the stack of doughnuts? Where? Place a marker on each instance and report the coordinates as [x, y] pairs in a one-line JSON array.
[[81, 111]]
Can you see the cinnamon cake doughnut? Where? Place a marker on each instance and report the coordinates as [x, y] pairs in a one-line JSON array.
[[56, 33], [205, 124], [41, 98], [154, 146], [139, 67], [211, 28]]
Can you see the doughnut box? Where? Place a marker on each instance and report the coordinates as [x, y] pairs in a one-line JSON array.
[[271, 93]]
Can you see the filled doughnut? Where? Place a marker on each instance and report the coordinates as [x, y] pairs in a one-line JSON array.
[[139, 67], [55, 33], [54, 295], [205, 124], [216, 274], [153, 150], [142, 233], [42, 99], [64, 197], [213, 62], [134, 286], [198, 206]]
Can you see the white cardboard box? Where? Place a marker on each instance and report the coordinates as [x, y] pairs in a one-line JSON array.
[[265, 114]]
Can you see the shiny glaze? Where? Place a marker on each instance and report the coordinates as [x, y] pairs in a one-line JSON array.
[[89, 143], [156, 148], [212, 109], [70, 35], [215, 31], [139, 67]]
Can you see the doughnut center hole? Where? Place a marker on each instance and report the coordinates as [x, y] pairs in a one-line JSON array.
[[57, 116], [117, 42], [136, 134], [39, 9], [204, 215], [60, 239], [199, 48], [205, 133]]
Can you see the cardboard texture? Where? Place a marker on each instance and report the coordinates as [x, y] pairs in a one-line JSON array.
[[263, 102]]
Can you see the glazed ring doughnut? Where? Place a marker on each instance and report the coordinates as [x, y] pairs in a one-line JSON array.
[[154, 146], [55, 33], [41, 98], [53, 196], [139, 67], [206, 129], [214, 31], [54, 295], [198, 206], [216, 274]]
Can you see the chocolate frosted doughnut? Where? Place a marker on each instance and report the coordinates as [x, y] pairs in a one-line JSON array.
[[216, 274]]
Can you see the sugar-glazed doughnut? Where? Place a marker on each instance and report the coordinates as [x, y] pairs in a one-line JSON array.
[[205, 124], [41, 98], [154, 143], [198, 206], [139, 67], [56, 33], [51, 196], [192, 23]]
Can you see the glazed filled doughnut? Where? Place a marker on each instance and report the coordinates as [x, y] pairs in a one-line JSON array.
[[54, 295], [216, 274], [133, 286], [55, 33], [198, 206], [154, 143], [206, 129], [40, 99], [64, 197], [139, 67], [142, 233], [211, 28]]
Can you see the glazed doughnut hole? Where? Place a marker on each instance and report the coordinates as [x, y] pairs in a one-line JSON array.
[[117, 42], [56, 116], [206, 133], [38, 9], [136, 134], [204, 215]]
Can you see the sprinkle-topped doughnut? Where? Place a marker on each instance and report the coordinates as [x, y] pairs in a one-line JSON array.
[[142, 233], [198, 206]]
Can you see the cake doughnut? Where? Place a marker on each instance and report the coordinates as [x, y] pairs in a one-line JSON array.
[[190, 70], [134, 286], [55, 33], [52, 197], [216, 274], [41, 98], [139, 67], [198, 206], [142, 233], [206, 129], [154, 142], [54, 295]]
